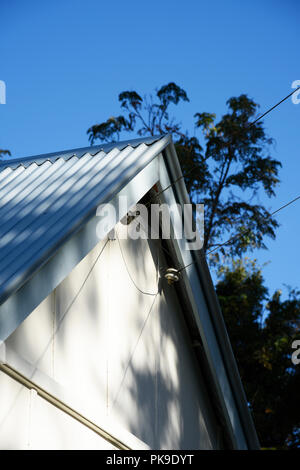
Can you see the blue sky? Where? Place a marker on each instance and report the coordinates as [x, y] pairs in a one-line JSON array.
[[65, 62]]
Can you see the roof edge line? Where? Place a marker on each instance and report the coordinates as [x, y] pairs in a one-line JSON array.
[[77, 152]]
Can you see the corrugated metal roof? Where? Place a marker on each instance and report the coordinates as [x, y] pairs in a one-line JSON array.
[[45, 199]]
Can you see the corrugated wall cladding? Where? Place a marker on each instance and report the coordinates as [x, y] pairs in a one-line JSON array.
[[45, 199]]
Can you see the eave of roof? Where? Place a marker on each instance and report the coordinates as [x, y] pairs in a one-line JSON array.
[[214, 309]]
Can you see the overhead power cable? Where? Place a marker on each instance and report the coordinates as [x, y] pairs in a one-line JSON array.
[[273, 107], [246, 127], [240, 235]]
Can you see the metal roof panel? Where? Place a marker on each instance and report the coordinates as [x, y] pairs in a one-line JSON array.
[[45, 199]]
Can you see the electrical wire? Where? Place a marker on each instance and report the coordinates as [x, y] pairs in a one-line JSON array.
[[144, 323], [246, 127], [167, 187], [182, 268], [129, 274], [273, 107], [195, 166], [240, 235]]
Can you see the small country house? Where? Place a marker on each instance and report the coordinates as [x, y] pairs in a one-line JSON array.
[[98, 350]]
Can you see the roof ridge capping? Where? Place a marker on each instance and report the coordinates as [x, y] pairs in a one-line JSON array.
[[78, 152]]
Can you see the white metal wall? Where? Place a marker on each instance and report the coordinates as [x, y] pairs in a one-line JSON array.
[[125, 353], [27, 421]]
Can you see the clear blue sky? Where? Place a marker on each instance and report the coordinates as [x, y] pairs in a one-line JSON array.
[[64, 63]]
